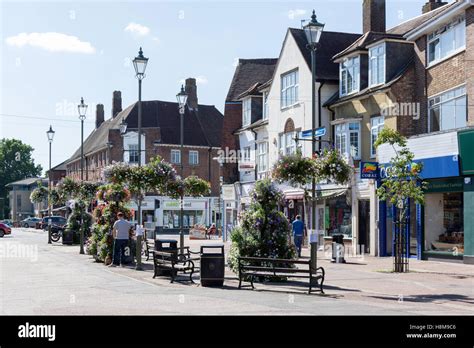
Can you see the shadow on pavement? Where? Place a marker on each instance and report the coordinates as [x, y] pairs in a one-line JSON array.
[[431, 298]]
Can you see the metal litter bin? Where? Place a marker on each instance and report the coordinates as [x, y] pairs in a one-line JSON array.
[[212, 266], [169, 246], [338, 248]]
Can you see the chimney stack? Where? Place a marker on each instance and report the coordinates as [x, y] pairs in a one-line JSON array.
[[191, 89], [99, 115], [373, 16], [116, 103], [432, 5]]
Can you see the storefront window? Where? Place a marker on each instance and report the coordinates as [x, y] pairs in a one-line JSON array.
[[190, 218], [444, 223], [340, 213]]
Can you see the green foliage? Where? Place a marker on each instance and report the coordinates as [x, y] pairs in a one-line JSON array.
[[404, 181], [333, 167], [294, 169], [16, 163], [264, 231], [79, 214], [39, 194], [191, 186], [88, 190]]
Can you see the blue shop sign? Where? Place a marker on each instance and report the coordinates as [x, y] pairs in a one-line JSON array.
[[435, 167], [369, 170]]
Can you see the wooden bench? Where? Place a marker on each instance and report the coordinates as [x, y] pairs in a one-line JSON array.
[[251, 267], [173, 262]]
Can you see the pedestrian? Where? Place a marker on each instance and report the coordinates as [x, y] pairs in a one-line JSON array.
[[298, 231], [120, 234], [211, 231]]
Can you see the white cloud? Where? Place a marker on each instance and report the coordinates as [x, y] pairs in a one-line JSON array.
[[200, 80], [137, 29], [54, 42], [292, 14]]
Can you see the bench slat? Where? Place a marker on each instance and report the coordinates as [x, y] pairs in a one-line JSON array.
[[274, 269], [274, 260]]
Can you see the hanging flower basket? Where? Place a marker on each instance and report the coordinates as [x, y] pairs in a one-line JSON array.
[[333, 167], [295, 169]]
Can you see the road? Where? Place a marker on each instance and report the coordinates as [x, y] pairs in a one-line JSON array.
[[41, 279]]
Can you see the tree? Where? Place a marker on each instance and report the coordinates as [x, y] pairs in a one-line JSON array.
[[264, 231], [16, 163], [403, 184]]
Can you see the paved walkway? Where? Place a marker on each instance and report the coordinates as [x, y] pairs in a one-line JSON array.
[[55, 279]]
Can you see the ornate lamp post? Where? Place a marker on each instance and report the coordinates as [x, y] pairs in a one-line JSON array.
[[82, 109], [313, 31], [140, 63], [182, 98], [50, 134]]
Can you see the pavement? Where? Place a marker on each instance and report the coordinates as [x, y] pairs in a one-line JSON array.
[[41, 279]]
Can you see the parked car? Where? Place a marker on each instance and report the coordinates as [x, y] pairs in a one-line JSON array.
[[29, 222], [9, 223], [4, 229], [55, 220]]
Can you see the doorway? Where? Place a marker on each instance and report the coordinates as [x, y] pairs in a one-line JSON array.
[[364, 226]]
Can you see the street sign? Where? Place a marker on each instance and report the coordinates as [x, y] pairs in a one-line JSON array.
[[369, 170], [318, 132]]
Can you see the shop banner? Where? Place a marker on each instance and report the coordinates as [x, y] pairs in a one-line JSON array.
[[369, 170]]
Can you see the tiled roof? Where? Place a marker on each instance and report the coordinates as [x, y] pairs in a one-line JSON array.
[[330, 44], [201, 127], [27, 182], [248, 73], [396, 32]]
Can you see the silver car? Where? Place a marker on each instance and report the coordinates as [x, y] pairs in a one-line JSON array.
[[30, 222]]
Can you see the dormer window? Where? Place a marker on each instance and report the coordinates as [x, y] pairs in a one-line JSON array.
[[246, 111], [377, 65], [447, 41], [349, 71]]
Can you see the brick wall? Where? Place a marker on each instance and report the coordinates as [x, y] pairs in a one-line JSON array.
[[232, 122], [469, 63], [420, 86]]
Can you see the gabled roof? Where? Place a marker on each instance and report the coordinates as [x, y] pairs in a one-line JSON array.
[[248, 73], [361, 43], [330, 43], [202, 127]]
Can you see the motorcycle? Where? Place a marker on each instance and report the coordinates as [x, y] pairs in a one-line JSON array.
[[57, 232]]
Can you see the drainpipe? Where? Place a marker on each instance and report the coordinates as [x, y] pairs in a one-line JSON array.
[[255, 153], [320, 107]]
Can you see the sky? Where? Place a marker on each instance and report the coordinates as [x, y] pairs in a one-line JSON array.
[[53, 53]]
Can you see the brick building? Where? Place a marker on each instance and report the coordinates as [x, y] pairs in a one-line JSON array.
[[160, 137]]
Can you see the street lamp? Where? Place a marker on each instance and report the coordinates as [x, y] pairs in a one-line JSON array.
[[50, 134], [82, 109], [182, 98], [313, 31], [140, 63]]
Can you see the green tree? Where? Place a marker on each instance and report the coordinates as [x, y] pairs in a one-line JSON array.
[[16, 163], [402, 184]]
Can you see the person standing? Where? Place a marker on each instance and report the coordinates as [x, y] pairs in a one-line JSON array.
[[120, 234], [298, 232]]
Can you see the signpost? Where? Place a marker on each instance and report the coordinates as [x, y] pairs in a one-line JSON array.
[[318, 132]]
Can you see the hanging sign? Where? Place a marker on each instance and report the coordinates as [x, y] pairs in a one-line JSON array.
[[369, 170]]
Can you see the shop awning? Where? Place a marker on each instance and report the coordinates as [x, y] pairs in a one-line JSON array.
[[328, 194]]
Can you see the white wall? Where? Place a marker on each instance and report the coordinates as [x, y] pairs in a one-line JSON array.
[[290, 59]]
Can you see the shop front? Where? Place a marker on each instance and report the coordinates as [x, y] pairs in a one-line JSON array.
[[441, 228]]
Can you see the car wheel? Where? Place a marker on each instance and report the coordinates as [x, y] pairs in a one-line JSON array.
[[2, 233], [26, 226]]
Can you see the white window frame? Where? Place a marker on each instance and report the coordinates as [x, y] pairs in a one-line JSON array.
[[262, 159], [342, 133], [443, 98], [451, 28], [353, 64], [289, 85], [175, 156], [246, 111], [265, 105], [376, 125], [377, 60], [193, 154], [246, 154], [133, 149]]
